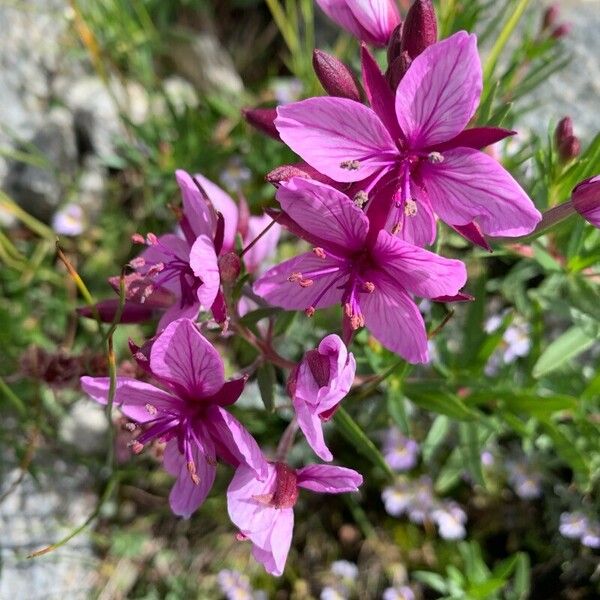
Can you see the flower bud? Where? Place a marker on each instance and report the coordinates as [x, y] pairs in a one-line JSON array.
[[394, 48], [567, 144], [586, 199], [262, 119], [561, 31], [230, 266], [335, 77], [550, 17], [397, 69], [420, 28]]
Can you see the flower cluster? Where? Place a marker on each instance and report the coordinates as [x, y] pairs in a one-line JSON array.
[[374, 179]]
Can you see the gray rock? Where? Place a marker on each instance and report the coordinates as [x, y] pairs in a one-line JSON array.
[[85, 427], [202, 60], [39, 188]]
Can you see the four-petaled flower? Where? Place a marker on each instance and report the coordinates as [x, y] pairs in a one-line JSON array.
[[263, 510], [410, 154], [187, 412], [370, 272], [317, 385]]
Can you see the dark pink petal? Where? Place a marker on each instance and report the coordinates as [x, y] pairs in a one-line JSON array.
[[262, 119], [176, 311], [264, 249], [204, 263], [131, 396], [186, 496], [471, 186], [225, 428], [330, 132], [184, 359], [460, 297], [312, 427], [268, 528], [329, 479], [471, 232], [440, 92], [133, 312], [394, 320], [229, 393], [419, 271], [225, 204], [197, 211], [586, 200], [274, 286], [324, 212], [170, 248], [219, 308], [380, 96], [477, 138]]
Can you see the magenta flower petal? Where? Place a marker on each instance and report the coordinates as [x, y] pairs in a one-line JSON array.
[[419, 271], [477, 138], [325, 212], [275, 285], [225, 428], [312, 428], [440, 92], [339, 137], [186, 496], [380, 95], [225, 204], [229, 393], [183, 359], [170, 248], [204, 263], [586, 200], [471, 186], [198, 212], [329, 479], [394, 319], [268, 527], [265, 247], [175, 312], [471, 232], [107, 310], [133, 397]]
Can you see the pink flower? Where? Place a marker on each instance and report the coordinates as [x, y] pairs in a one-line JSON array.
[[586, 199], [371, 21], [321, 380], [187, 412], [409, 156], [239, 220], [263, 510], [369, 271]]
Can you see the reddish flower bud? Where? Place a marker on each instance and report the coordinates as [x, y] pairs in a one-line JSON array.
[[230, 266], [550, 17], [420, 28], [586, 199], [567, 143], [286, 172], [394, 48], [561, 31], [335, 77], [398, 69], [262, 119]]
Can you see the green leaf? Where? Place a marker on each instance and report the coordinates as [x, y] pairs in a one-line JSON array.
[[522, 580], [567, 449], [538, 406], [352, 431], [266, 384], [571, 343], [253, 317], [433, 580], [436, 436], [444, 403], [471, 451], [486, 589], [396, 406]]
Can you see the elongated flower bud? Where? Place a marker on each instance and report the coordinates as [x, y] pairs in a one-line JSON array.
[[230, 266], [397, 69], [262, 119], [586, 199], [335, 77], [394, 48], [420, 28], [550, 17], [567, 143]]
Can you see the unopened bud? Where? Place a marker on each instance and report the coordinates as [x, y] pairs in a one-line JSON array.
[[420, 28], [567, 143], [230, 266], [561, 31], [397, 69], [284, 173], [262, 119], [550, 17], [335, 77], [586, 199], [394, 48]]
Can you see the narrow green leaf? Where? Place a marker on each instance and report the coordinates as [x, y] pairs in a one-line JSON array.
[[436, 436], [433, 580], [571, 343], [444, 403], [567, 449], [471, 451], [396, 406], [266, 384], [352, 431]]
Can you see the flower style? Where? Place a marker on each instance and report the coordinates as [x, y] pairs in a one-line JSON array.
[[187, 411], [371, 21], [263, 510], [409, 156], [369, 271], [318, 384]]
